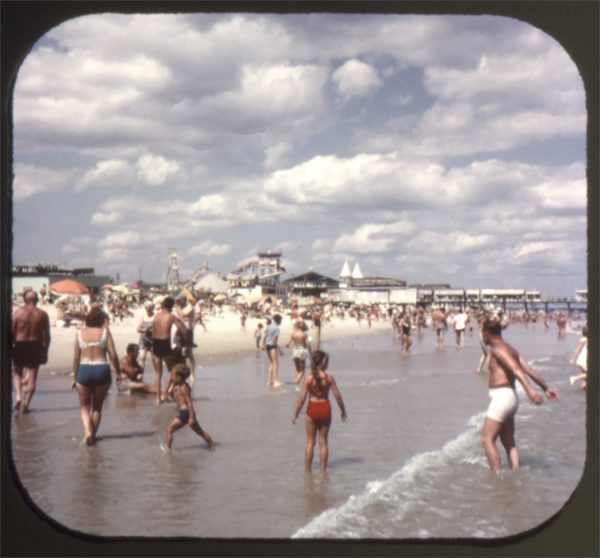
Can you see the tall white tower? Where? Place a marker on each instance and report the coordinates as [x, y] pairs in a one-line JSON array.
[[356, 272], [345, 273]]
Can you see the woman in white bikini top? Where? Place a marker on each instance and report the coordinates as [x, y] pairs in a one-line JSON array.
[[91, 371]]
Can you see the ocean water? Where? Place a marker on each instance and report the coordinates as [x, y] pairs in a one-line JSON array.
[[408, 463]]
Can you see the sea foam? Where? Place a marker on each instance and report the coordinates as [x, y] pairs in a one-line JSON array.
[[383, 504]]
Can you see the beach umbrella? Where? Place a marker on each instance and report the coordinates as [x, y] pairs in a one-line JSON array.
[[187, 293], [212, 283], [107, 287], [68, 286], [122, 289], [158, 300], [220, 297]]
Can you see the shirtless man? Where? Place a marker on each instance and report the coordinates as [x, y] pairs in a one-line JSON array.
[[405, 327], [162, 349], [505, 366], [187, 314], [30, 343], [561, 322], [301, 348], [440, 325], [460, 325], [420, 320]]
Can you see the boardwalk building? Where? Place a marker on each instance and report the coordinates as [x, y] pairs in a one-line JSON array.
[[44, 275], [310, 283], [355, 288]]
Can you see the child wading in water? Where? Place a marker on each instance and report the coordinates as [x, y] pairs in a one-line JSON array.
[[181, 392], [318, 411]]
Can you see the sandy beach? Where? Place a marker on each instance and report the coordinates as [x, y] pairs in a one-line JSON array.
[[223, 340]]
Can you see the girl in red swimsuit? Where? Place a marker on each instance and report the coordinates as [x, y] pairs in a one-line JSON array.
[[318, 411]]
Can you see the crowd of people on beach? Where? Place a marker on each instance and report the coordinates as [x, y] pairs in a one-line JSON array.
[[164, 329]]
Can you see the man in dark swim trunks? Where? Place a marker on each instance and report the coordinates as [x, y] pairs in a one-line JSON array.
[[161, 344], [30, 343]]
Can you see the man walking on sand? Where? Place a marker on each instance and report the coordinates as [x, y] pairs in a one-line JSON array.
[[506, 365], [30, 343], [161, 344]]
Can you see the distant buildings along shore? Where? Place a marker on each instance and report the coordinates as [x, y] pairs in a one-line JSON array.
[[262, 276]]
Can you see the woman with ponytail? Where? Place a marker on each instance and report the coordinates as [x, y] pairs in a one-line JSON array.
[[318, 411]]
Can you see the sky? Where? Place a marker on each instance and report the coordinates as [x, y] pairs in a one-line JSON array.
[[434, 149]]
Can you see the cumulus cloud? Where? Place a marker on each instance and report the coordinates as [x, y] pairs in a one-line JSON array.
[[546, 254], [113, 256], [34, 180], [210, 248], [211, 206], [101, 218], [532, 248], [274, 154], [154, 169], [287, 246], [372, 238], [120, 239], [355, 79], [435, 243], [109, 173], [200, 124], [565, 191], [389, 181], [77, 245]]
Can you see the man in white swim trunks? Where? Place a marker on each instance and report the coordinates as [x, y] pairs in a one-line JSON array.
[[505, 366], [460, 324], [301, 349]]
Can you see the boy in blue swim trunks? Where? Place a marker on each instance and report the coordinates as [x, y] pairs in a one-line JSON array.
[[185, 407]]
